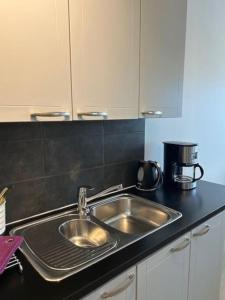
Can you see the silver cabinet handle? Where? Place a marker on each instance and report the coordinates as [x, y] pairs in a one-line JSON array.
[[203, 231], [120, 289], [152, 113], [102, 114], [51, 114], [182, 246]]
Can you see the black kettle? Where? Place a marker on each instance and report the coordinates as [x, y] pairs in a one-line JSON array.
[[149, 176]]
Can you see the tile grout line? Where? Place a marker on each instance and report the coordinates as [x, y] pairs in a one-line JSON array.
[[103, 139], [43, 148]]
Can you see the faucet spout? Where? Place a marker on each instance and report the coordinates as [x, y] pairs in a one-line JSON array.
[[111, 189], [83, 199]]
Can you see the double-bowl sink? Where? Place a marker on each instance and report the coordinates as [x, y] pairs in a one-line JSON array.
[[66, 243]]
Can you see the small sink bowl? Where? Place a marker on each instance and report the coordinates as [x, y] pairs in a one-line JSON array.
[[84, 233], [133, 215]]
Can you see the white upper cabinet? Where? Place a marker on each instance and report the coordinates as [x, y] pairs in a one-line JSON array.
[[34, 59], [105, 58], [206, 260], [36, 78], [163, 31], [164, 275]]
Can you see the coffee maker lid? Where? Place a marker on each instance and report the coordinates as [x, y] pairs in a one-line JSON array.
[[187, 144]]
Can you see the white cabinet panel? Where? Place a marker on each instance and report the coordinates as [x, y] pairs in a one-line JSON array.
[[187, 269], [165, 274], [34, 58], [206, 258], [105, 57], [123, 287], [163, 32]]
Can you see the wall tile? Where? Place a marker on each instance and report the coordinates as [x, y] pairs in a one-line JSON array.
[[123, 126], [66, 129], [20, 131], [21, 160], [90, 177], [26, 199], [123, 147], [73, 153], [125, 173]]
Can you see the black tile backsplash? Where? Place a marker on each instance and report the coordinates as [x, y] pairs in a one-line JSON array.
[[66, 129], [21, 160], [20, 131], [73, 153], [124, 172], [123, 126], [123, 147], [44, 163]]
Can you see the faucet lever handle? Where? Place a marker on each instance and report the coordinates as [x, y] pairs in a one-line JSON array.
[[86, 188], [83, 189]]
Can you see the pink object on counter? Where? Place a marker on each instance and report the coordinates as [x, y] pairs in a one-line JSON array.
[[8, 246]]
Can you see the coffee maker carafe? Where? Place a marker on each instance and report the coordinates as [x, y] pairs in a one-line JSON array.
[[180, 165]]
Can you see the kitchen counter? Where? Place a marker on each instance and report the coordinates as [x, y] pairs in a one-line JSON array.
[[196, 206]]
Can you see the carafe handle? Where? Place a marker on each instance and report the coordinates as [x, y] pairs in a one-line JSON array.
[[201, 171]]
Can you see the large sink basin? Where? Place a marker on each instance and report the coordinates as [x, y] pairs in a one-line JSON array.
[[84, 233], [133, 215]]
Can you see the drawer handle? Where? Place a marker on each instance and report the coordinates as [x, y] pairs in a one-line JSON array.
[[102, 114], [120, 289], [182, 246], [52, 114], [204, 231], [152, 113]]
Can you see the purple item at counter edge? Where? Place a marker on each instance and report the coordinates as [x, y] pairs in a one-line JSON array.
[[8, 246]]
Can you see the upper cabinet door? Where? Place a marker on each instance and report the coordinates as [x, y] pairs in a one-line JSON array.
[[105, 58], [34, 60], [163, 31]]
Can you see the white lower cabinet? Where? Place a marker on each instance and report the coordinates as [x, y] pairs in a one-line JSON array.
[[123, 287], [192, 271], [187, 269], [206, 260], [164, 276]]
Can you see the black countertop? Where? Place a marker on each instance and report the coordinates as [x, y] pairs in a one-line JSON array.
[[196, 206]]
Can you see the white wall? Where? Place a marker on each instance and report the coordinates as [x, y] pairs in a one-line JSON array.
[[203, 118]]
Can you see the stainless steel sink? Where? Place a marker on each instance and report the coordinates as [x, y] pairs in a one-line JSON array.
[[64, 244], [133, 215], [84, 233]]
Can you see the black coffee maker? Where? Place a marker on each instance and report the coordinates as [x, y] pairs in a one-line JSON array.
[[149, 176], [180, 165]]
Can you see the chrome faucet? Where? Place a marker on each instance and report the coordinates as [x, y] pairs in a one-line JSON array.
[[83, 199]]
